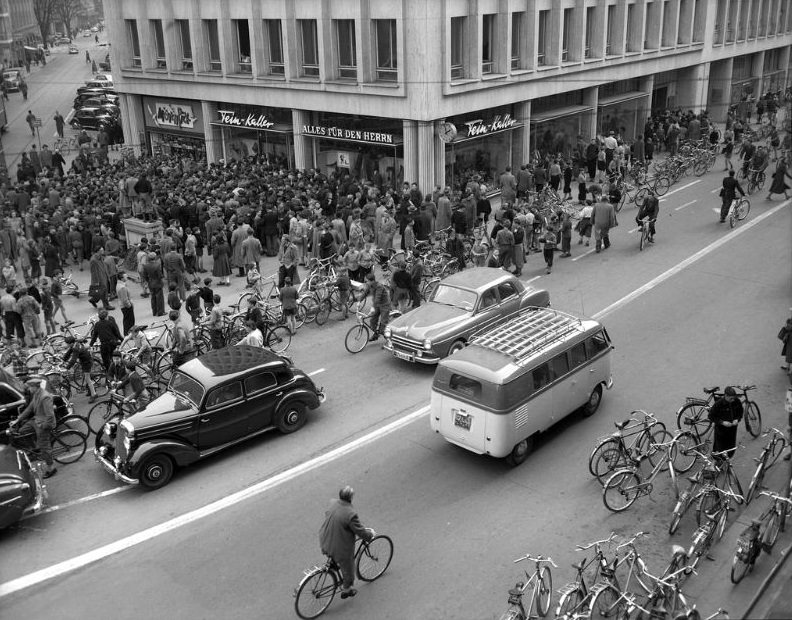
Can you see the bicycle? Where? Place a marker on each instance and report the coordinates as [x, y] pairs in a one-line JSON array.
[[573, 597], [695, 413], [109, 410], [542, 593], [613, 452], [707, 475], [626, 485], [68, 446], [359, 335], [66, 145], [770, 454], [318, 587], [756, 180], [760, 535], [738, 210], [715, 524], [645, 237]]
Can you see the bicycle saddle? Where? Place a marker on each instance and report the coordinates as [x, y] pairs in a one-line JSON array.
[[579, 566], [621, 425], [711, 390]]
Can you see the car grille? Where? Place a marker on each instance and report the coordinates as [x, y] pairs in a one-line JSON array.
[[406, 344], [120, 450]]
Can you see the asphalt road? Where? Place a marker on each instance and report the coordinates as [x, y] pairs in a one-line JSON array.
[[230, 537]]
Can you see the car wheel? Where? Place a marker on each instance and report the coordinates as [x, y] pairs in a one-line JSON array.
[[590, 408], [457, 345], [290, 418], [156, 471], [520, 451]]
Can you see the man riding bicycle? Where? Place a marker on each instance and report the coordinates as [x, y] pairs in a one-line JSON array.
[[649, 210], [758, 164]]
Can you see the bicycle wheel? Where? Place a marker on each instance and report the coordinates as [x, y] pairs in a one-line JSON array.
[[607, 457], [753, 419], [740, 565], [75, 422], [685, 457], [315, 593], [682, 505], [659, 435], [357, 338], [662, 185], [745, 208], [694, 417], [68, 446], [279, 338], [311, 306], [99, 377], [640, 197], [98, 415], [621, 490], [323, 313], [544, 591], [701, 167], [373, 558], [752, 186], [756, 482], [606, 602], [301, 315]]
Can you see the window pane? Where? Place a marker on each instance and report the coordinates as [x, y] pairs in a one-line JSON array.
[[275, 41], [345, 33], [134, 40], [465, 385], [610, 30], [565, 34], [541, 376], [487, 43], [516, 42], [159, 38], [258, 382], [184, 36], [213, 43], [587, 52], [541, 42], [577, 355], [310, 53], [224, 394], [385, 35], [243, 45], [457, 43]]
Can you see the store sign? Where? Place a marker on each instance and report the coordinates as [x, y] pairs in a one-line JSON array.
[[479, 128], [348, 134], [229, 117], [171, 115]]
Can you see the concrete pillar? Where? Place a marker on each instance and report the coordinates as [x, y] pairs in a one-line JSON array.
[[645, 111], [521, 142], [719, 89], [692, 87], [213, 133], [303, 147], [757, 69], [588, 128], [440, 160], [427, 143], [411, 146], [133, 122]]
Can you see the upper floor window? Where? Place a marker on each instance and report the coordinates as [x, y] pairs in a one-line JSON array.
[[566, 35], [159, 43], [213, 44], [488, 43], [590, 25], [699, 12], [730, 22], [541, 38], [385, 42], [275, 41], [517, 33], [457, 47], [347, 48], [243, 50], [610, 31], [668, 24], [134, 42], [720, 23], [632, 36], [309, 46], [742, 23], [183, 29], [763, 17]]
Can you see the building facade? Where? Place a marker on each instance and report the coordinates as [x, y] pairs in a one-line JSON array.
[[431, 92], [18, 28]]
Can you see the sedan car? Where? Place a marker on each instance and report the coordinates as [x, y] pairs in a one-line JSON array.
[[212, 402], [463, 304], [73, 50], [12, 78], [22, 490], [91, 118]]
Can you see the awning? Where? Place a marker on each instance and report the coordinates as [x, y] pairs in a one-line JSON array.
[[629, 96], [551, 115]]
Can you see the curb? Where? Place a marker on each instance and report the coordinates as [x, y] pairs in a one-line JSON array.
[[766, 583]]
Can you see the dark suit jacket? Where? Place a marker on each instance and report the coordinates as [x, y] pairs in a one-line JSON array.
[[152, 271], [340, 527]]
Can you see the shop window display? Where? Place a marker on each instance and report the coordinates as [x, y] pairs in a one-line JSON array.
[[484, 159]]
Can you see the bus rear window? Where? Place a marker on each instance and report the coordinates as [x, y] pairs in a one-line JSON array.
[[466, 386]]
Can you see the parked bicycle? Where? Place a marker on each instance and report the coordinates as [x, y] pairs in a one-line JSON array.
[[714, 525], [318, 587], [760, 535], [541, 583], [573, 598], [694, 414], [770, 454]]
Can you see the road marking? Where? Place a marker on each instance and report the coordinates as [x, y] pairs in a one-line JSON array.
[[687, 204], [586, 253], [687, 262], [85, 559], [717, 189], [316, 372], [532, 279], [679, 189], [83, 500]]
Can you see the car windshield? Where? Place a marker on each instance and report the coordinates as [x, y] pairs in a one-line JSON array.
[[455, 297], [186, 387]]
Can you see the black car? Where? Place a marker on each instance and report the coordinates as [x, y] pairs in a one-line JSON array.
[[93, 102], [22, 490], [91, 118], [212, 402], [94, 93]]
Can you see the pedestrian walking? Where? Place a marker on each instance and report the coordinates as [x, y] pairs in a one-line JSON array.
[[23, 88], [106, 331], [87, 57], [728, 193], [125, 303], [603, 218], [780, 176], [549, 240], [785, 336], [60, 123], [154, 279], [30, 119]]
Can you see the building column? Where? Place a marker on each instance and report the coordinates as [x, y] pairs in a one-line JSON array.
[[411, 146], [133, 122], [427, 141], [213, 135], [522, 136], [303, 149], [591, 99], [439, 159], [757, 68], [719, 89], [694, 83]]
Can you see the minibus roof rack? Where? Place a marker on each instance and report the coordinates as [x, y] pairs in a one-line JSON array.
[[529, 332]]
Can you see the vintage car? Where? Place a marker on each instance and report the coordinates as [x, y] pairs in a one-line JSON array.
[[92, 118], [212, 403], [22, 490], [464, 303], [12, 78], [73, 49]]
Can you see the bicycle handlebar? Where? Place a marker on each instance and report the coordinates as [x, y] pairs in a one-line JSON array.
[[627, 543], [776, 496], [772, 430], [598, 542], [541, 558]]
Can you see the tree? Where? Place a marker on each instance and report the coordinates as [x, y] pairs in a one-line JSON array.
[[43, 10], [67, 10]]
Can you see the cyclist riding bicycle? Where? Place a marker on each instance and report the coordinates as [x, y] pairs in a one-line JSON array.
[[759, 162], [649, 210]]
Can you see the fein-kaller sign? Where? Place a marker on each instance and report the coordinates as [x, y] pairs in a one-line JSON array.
[[479, 128], [355, 135], [229, 117]]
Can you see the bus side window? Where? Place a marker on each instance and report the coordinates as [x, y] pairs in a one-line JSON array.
[[559, 366], [596, 344], [577, 355], [541, 376]]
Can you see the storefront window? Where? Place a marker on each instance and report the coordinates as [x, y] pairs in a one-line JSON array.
[[256, 131], [170, 145], [559, 136]]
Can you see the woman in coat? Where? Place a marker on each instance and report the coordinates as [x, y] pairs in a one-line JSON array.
[[779, 185], [785, 336], [222, 264], [51, 260]]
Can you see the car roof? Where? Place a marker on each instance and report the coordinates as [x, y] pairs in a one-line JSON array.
[[478, 279], [221, 365]]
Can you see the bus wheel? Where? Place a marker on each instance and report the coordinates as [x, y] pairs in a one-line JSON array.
[[520, 451], [593, 403]]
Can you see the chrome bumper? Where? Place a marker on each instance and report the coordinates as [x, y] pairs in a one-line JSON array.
[[111, 469], [412, 357]]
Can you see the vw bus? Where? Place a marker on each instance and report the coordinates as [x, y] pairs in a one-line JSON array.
[[515, 381]]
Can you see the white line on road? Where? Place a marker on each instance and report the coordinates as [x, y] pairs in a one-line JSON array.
[[679, 189], [80, 561], [83, 500], [687, 204], [717, 189], [316, 372], [532, 279], [586, 253]]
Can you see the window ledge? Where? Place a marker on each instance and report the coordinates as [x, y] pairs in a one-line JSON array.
[[209, 73], [652, 50], [547, 67], [343, 82], [517, 72], [273, 77], [463, 81], [571, 63], [392, 85], [670, 48], [307, 79], [156, 70], [487, 77], [613, 56], [240, 76], [633, 53], [132, 69], [587, 61]]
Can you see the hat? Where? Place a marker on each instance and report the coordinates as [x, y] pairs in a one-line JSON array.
[[729, 391]]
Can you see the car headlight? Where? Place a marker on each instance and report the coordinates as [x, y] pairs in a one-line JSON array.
[[387, 332], [110, 429], [427, 344]]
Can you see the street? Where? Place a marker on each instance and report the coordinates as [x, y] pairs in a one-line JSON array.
[[230, 537]]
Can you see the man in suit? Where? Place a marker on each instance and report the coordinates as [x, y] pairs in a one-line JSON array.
[[153, 275], [174, 266], [603, 218], [729, 192]]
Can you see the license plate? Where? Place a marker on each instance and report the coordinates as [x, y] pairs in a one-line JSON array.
[[404, 356], [462, 420]]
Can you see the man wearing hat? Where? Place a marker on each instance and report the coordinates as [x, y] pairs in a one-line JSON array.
[[725, 415], [39, 417]]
